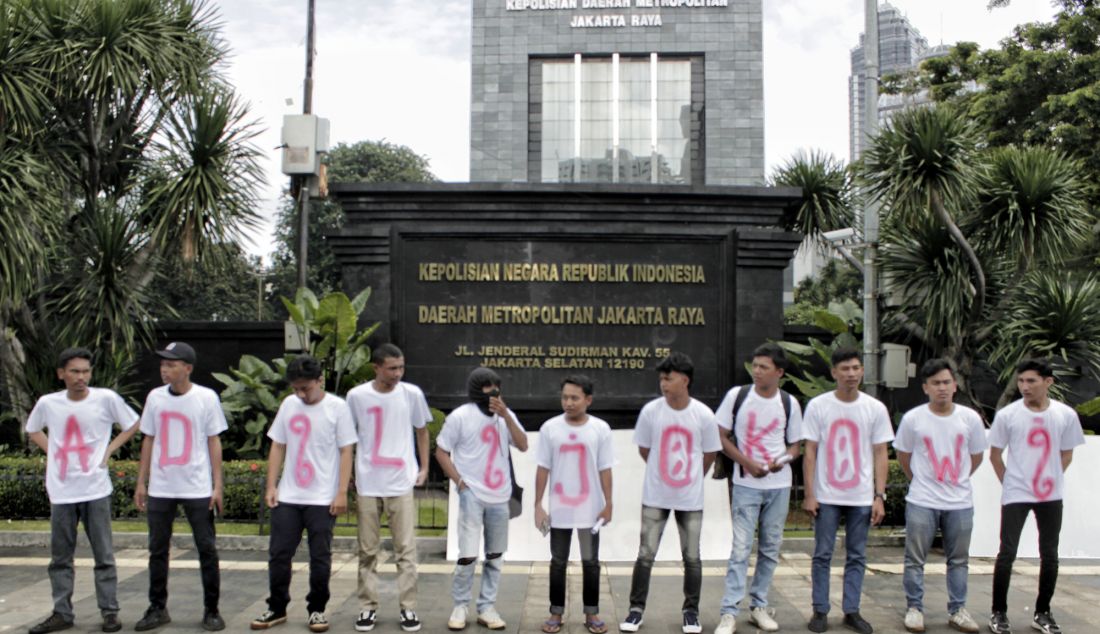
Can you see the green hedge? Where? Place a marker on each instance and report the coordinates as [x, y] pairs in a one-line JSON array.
[[23, 488]]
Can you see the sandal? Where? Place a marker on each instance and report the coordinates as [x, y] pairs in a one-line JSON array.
[[551, 626], [595, 626]]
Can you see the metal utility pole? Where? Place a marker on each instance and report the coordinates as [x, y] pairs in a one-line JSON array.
[[303, 181], [871, 359]]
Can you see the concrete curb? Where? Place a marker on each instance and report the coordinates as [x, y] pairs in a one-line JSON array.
[[430, 546]]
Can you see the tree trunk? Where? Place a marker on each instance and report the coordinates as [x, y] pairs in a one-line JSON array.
[[960, 239]]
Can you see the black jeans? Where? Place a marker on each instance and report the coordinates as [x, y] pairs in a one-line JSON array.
[[287, 522], [1048, 518], [161, 513], [689, 524], [560, 541]]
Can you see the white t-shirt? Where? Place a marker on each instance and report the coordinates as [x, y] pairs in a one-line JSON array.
[[78, 435], [180, 426], [386, 465], [313, 435], [1033, 466], [759, 429], [677, 440], [846, 433], [941, 447], [479, 447], [575, 455]]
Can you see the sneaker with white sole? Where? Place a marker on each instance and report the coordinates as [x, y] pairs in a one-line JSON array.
[[410, 622], [1044, 622], [691, 624], [914, 620], [998, 623], [726, 625], [366, 621], [318, 622], [963, 622], [490, 618], [763, 619], [458, 618], [632, 622]]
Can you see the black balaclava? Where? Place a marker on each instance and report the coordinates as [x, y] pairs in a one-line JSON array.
[[477, 381]]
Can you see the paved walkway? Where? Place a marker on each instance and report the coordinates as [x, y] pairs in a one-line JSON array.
[[25, 593]]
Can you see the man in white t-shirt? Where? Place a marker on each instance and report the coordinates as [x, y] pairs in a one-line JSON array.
[[473, 450], [939, 446], [677, 436], [79, 421], [844, 469], [181, 463], [766, 437], [1040, 435], [312, 442], [574, 455], [387, 412]]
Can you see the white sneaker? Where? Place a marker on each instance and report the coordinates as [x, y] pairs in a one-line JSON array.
[[914, 620], [490, 618], [763, 620], [963, 622], [726, 625], [458, 618]]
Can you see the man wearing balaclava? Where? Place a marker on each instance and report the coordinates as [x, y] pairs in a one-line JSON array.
[[473, 450]]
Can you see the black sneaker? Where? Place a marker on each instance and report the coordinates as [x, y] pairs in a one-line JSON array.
[[365, 622], [111, 623], [268, 620], [819, 622], [856, 623], [409, 621], [691, 623], [998, 623], [154, 618], [54, 623], [1044, 622], [212, 621], [632, 623]]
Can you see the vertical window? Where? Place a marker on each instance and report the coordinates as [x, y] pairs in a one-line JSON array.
[[618, 119]]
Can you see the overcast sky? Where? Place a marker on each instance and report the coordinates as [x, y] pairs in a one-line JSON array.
[[400, 70]]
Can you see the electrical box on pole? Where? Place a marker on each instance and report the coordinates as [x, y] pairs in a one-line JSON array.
[[305, 139]]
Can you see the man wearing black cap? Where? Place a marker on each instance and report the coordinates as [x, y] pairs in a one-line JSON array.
[[473, 450], [181, 459]]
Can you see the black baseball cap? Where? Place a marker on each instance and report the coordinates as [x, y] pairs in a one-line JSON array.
[[178, 351]]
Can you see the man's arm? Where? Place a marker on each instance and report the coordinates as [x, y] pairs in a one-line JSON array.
[[605, 484], [39, 439], [809, 464], [882, 470], [644, 453], [975, 462], [275, 459], [997, 462], [140, 492], [708, 460], [904, 457], [519, 437], [444, 459], [422, 444], [120, 440], [217, 495], [1067, 457], [340, 502], [729, 448], [542, 475]]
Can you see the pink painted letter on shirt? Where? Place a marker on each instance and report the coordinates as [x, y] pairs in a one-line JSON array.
[[679, 473], [376, 457], [842, 459], [945, 468], [754, 438], [303, 471], [582, 473], [1039, 437], [494, 478], [184, 457], [73, 441]]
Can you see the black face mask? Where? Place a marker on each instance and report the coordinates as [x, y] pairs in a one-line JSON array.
[[475, 385]]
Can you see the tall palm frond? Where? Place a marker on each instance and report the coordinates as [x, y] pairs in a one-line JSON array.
[[827, 196]]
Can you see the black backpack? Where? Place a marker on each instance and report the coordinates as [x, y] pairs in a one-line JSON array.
[[724, 466]]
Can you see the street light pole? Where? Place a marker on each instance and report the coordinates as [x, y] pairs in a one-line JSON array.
[[303, 181], [871, 360]]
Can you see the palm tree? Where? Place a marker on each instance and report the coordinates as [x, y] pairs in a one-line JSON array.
[[130, 147]]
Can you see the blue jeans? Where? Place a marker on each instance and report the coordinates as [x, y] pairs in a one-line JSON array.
[[690, 526], [474, 519], [96, 515], [920, 529], [752, 508], [857, 521]]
